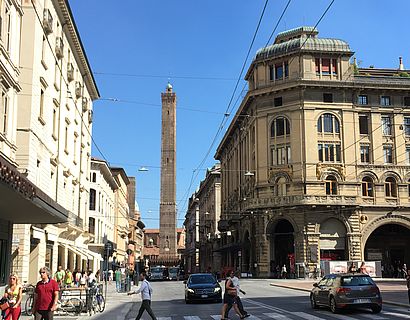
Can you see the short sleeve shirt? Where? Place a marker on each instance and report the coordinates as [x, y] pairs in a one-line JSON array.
[[45, 294]]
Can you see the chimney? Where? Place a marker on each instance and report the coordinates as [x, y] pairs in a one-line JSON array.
[[401, 66]]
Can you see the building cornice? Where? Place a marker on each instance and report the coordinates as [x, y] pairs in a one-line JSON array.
[[74, 37]]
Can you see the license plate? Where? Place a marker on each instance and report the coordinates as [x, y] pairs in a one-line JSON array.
[[204, 296], [361, 301]]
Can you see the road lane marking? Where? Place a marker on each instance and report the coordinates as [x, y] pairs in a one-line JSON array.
[[275, 316], [164, 318], [216, 317], [192, 318], [306, 316], [372, 316], [337, 316], [398, 315]]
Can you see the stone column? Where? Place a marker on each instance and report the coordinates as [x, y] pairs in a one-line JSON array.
[[355, 249], [21, 262]]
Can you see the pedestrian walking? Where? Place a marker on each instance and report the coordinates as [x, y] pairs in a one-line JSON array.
[[284, 271], [235, 282], [59, 276], [45, 296], [118, 280], [13, 294], [230, 295], [68, 279], [146, 296]]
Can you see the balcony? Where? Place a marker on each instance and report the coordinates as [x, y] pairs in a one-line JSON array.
[[59, 48], [70, 72], [74, 227], [78, 89], [47, 21]]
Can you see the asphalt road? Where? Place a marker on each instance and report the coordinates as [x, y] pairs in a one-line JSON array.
[[262, 301]]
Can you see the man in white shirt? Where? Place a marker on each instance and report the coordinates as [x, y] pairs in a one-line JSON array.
[[146, 292], [235, 282]]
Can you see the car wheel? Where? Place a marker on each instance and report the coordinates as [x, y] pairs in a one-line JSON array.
[[313, 301], [376, 309], [333, 306]]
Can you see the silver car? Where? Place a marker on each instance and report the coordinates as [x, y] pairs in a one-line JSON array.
[[346, 290]]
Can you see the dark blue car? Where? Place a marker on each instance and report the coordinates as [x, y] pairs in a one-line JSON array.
[[202, 287]]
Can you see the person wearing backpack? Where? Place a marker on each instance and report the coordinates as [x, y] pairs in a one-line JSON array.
[[146, 294]]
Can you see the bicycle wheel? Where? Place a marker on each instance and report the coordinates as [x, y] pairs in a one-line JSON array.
[[29, 305], [74, 306], [100, 302]]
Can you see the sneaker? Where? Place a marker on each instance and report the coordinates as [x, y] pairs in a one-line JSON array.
[[246, 315]]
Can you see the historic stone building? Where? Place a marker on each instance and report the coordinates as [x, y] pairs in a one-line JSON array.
[[315, 164], [167, 207]]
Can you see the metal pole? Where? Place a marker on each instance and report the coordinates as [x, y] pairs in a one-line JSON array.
[[106, 276]]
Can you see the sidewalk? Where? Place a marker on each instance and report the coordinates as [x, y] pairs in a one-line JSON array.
[[394, 291]]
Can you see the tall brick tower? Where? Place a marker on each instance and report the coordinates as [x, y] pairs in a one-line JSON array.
[[167, 206]]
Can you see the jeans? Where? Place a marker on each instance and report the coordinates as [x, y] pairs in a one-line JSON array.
[[145, 305]]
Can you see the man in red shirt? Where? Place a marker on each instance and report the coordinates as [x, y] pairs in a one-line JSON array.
[[45, 296]]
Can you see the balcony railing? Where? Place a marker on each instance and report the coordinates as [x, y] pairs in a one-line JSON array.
[[75, 220]]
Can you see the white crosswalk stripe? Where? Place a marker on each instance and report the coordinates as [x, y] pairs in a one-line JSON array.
[[398, 315], [164, 318], [306, 316], [276, 316], [192, 318], [216, 316], [372, 316], [336, 316]]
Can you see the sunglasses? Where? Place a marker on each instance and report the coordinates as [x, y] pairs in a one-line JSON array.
[[12, 278], [42, 272]]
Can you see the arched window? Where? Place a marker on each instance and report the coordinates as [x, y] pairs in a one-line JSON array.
[[331, 185], [367, 187], [281, 186], [390, 187], [279, 127], [328, 123]]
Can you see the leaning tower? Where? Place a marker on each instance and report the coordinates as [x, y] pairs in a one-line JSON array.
[[167, 207]]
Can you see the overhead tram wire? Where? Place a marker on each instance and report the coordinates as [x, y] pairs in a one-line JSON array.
[[163, 76], [224, 120], [67, 83]]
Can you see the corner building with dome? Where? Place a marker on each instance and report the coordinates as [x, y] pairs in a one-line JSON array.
[[315, 163]]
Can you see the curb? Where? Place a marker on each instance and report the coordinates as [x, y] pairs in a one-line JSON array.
[[307, 290]]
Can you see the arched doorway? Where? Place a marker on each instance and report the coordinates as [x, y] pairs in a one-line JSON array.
[[333, 240], [282, 247], [389, 244]]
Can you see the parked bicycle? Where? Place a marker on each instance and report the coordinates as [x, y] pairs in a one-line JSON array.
[[29, 289], [96, 301]]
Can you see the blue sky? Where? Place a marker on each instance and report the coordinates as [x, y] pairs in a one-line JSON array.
[[135, 46]]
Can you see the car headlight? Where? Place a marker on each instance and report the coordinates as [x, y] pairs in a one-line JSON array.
[[190, 290], [217, 289]]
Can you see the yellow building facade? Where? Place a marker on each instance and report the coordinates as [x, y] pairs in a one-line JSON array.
[[315, 164]]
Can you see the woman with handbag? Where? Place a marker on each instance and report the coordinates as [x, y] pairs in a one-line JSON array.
[[14, 295]]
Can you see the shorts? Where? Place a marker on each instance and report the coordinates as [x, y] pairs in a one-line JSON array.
[[229, 299]]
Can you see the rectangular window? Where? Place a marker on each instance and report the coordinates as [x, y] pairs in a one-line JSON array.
[[406, 101], [334, 66], [385, 100], [49, 255], [93, 197], [407, 154], [286, 69], [278, 71], [320, 149], [4, 114], [271, 73], [66, 139], [91, 225], [8, 28], [281, 155], [328, 97], [406, 125], [365, 154], [364, 124], [362, 100], [41, 103], [277, 101], [75, 147], [388, 154], [43, 50], [325, 66], [386, 126], [317, 65]]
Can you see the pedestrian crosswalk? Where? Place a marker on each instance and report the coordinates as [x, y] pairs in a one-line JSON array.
[[281, 314]]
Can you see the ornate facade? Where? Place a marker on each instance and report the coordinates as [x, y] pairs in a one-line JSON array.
[[315, 164]]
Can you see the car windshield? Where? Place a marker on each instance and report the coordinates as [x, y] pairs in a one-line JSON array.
[[357, 281], [156, 270], [202, 279], [173, 270]]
